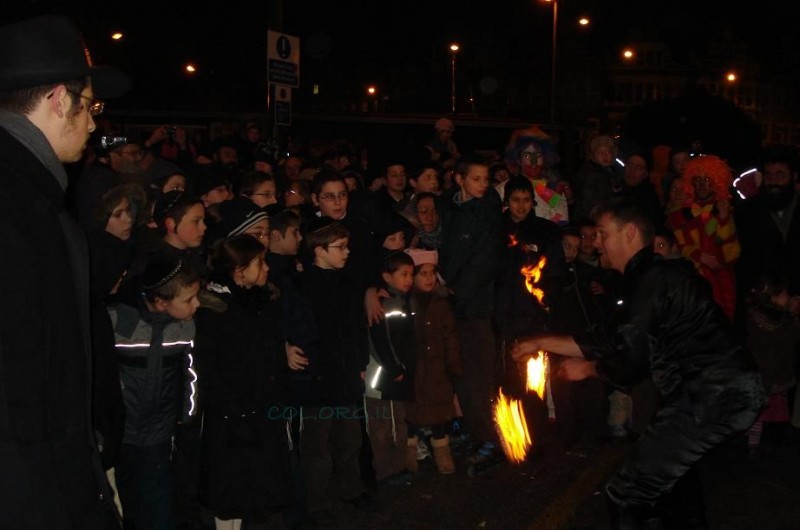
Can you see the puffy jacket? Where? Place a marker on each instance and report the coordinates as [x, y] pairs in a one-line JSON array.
[[159, 383]]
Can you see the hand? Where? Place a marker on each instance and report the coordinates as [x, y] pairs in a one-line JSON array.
[[596, 288], [724, 208], [180, 137], [709, 260], [573, 369], [373, 306], [524, 348], [158, 135], [295, 357]]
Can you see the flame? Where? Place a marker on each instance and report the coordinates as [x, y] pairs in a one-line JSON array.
[[510, 419], [532, 275], [512, 241], [537, 373]]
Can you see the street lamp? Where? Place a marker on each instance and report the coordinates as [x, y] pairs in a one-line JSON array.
[[454, 47], [553, 65], [372, 91]]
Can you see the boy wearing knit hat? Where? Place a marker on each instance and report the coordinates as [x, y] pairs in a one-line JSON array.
[[241, 216]]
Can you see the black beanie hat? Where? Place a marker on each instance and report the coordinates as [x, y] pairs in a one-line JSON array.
[[237, 215]]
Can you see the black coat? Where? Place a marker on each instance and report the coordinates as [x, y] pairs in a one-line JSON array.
[[518, 313], [674, 331], [338, 353], [764, 249], [238, 349], [469, 255], [50, 470]]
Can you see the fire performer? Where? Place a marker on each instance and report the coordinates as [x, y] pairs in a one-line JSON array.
[[674, 331]]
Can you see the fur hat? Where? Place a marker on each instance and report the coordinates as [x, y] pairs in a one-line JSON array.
[[423, 257], [49, 49]]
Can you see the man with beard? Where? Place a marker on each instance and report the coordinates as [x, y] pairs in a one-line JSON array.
[[769, 224]]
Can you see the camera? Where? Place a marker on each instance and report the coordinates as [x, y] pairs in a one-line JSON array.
[[110, 142]]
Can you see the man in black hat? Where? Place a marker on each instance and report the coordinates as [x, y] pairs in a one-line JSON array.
[[50, 473]]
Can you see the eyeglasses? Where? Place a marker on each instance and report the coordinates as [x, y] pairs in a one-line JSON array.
[[531, 156], [267, 195], [95, 106], [330, 197], [342, 247]]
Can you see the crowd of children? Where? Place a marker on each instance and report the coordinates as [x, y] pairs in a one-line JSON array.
[[266, 328]]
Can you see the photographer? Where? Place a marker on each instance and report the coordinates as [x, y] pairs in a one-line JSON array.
[[172, 143]]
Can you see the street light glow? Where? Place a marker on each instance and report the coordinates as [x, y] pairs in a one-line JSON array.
[[117, 35], [454, 47], [731, 77], [583, 21], [628, 54], [371, 90], [190, 68]]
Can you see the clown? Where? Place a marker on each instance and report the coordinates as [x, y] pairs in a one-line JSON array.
[[530, 154], [704, 227]]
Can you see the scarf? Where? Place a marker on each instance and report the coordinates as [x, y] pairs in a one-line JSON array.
[[431, 240], [21, 128]]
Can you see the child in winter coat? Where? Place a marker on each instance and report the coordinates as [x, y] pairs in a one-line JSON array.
[[389, 378], [773, 335], [438, 359]]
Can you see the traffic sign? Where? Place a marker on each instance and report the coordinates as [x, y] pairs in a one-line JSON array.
[[283, 105], [283, 59]]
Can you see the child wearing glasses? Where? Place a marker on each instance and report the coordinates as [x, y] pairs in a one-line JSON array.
[[259, 187], [337, 355]]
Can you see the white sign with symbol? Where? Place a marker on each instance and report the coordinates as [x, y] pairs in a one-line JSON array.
[[283, 59]]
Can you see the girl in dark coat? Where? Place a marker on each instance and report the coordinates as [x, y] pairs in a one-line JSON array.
[[438, 360], [238, 348]]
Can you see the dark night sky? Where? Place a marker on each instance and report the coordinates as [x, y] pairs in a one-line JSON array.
[[346, 45]]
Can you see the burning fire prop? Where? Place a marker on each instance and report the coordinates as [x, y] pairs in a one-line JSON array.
[[508, 413], [537, 373], [510, 419], [532, 275]]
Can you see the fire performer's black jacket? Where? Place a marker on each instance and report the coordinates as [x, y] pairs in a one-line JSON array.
[[709, 386]]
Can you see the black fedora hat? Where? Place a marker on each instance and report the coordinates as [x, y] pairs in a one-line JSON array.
[[49, 49]]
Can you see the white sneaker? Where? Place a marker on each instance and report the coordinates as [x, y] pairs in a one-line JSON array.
[[423, 452]]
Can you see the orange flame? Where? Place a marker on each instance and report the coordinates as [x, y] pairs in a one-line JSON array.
[[512, 241], [510, 419], [537, 373], [532, 275]]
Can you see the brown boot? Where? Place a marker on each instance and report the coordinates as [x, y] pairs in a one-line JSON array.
[[411, 454], [443, 456]]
